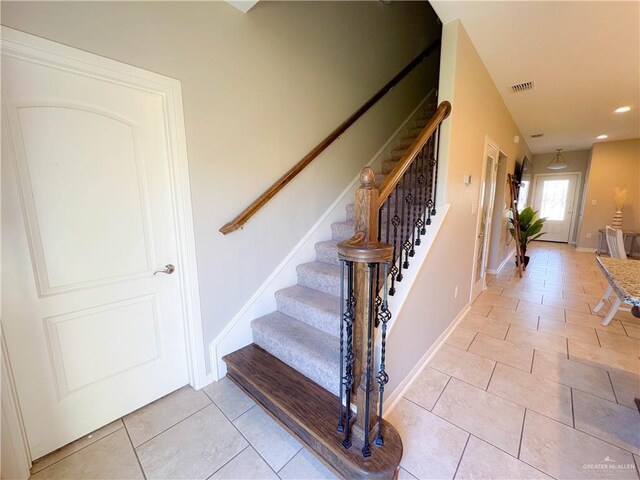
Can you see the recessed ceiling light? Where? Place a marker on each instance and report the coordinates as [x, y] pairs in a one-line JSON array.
[[622, 109], [601, 137]]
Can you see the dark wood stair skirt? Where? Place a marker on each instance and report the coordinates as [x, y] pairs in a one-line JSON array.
[[310, 413]]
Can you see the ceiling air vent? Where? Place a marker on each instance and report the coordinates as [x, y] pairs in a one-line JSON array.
[[537, 135], [521, 87]]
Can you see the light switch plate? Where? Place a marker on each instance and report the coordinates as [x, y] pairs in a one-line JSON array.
[[594, 202]]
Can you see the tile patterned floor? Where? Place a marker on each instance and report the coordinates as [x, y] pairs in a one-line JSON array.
[[528, 385]]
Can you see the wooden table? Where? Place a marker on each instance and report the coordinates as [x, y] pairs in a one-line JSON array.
[[602, 242], [624, 279]]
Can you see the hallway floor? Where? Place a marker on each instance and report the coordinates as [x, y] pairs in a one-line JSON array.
[[528, 385]]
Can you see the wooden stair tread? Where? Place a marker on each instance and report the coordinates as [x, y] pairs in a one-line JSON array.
[[310, 413]]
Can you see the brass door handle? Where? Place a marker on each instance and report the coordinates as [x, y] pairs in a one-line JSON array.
[[168, 269]]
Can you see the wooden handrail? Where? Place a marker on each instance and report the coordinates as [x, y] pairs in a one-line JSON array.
[[394, 177], [257, 204]]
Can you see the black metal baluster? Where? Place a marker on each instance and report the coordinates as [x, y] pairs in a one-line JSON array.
[[388, 207], [406, 244], [378, 301], [401, 264], [420, 180], [365, 448], [435, 173], [383, 378], [427, 188], [342, 321], [430, 204], [394, 263], [414, 206], [350, 356]]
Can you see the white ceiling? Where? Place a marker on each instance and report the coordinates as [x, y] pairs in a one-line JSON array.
[[584, 58]]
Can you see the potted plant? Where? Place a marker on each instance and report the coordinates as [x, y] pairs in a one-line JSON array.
[[530, 227]]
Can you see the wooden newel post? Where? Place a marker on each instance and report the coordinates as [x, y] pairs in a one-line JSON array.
[[366, 220]]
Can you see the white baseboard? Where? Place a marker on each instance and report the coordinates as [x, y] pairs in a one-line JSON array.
[[237, 333], [584, 249], [497, 271], [396, 395]]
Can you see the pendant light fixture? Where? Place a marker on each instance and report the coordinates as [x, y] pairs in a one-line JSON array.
[[557, 163]]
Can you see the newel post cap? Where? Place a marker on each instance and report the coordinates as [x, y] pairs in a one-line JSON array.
[[368, 178]]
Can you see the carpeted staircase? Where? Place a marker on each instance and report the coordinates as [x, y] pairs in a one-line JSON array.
[[303, 332]]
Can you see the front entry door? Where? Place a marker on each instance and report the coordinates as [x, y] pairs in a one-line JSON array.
[[554, 200], [87, 217]]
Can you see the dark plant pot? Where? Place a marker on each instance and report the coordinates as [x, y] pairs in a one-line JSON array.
[[526, 261]]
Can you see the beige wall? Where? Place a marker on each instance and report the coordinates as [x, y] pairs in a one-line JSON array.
[[260, 90], [478, 111], [577, 161], [613, 164]]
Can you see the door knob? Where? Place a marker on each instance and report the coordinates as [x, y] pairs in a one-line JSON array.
[[168, 269], [481, 234]]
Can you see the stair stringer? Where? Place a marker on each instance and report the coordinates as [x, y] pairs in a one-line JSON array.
[[238, 333]]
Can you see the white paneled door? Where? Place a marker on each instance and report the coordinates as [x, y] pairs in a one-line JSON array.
[[87, 218], [485, 214], [554, 198]]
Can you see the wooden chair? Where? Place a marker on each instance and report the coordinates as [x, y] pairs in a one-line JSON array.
[[615, 242]]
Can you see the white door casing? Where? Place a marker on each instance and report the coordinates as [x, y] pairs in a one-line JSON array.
[[95, 198], [554, 197], [485, 214]]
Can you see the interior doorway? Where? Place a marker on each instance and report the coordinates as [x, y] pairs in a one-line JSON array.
[[485, 215], [554, 197]]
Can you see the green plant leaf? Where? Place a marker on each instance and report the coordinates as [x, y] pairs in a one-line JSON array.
[[526, 216]]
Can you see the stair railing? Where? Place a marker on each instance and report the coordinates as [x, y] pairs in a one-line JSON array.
[[390, 220], [279, 184]]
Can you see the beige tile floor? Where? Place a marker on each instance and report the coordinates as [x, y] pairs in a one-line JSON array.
[[528, 385]]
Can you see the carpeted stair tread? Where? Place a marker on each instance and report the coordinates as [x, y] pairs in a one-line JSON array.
[[313, 307], [405, 142], [396, 154], [342, 230], [308, 350], [320, 276], [327, 252]]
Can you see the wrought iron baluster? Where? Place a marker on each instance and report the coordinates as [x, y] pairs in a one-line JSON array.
[[427, 179], [406, 221], [399, 276], [365, 448], [342, 322], [378, 300], [435, 173], [394, 261], [432, 164], [388, 221], [414, 203], [383, 378], [350, 355], [421, 177]]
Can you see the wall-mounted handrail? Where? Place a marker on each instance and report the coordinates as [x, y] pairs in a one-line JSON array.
[[258, 203], [394, 177]]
